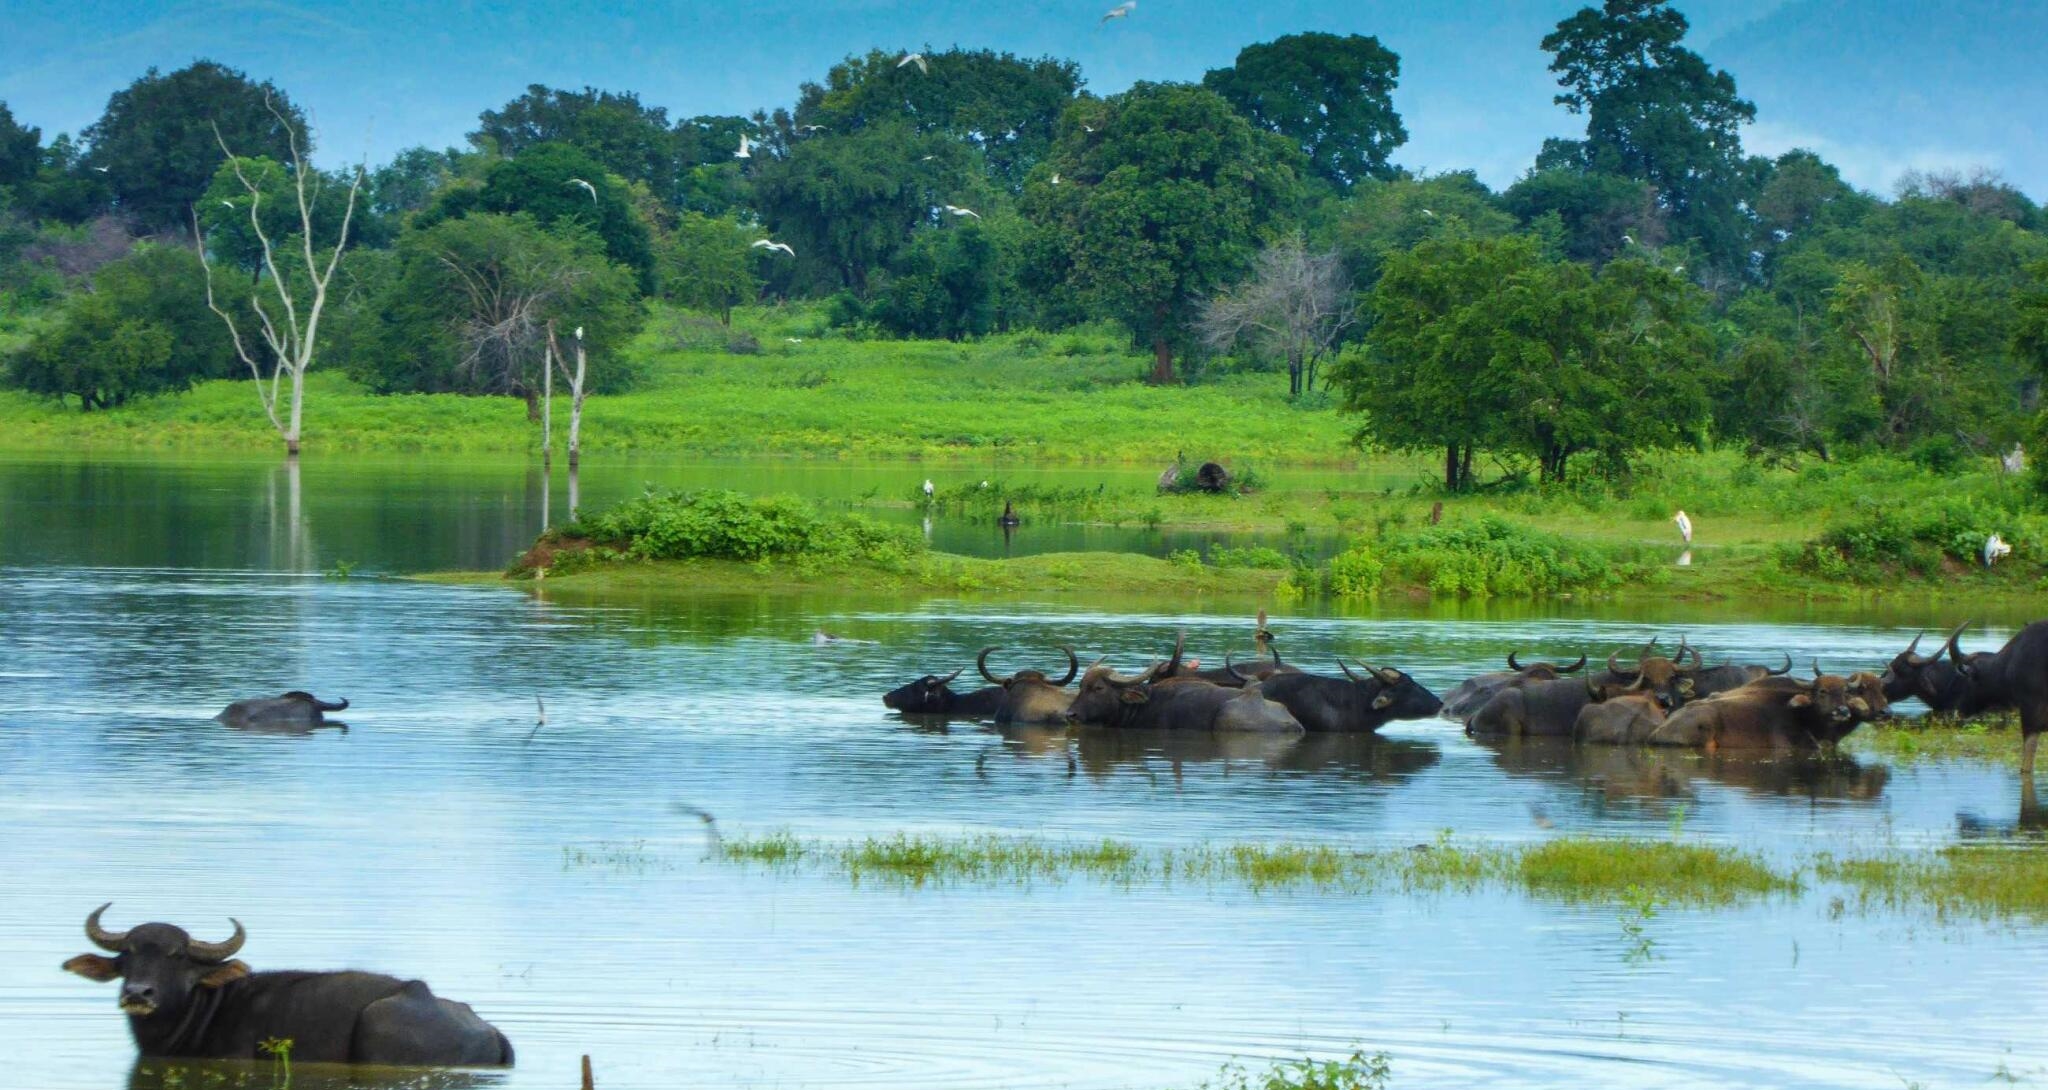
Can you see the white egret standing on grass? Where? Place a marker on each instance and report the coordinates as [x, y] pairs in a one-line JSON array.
[[1684, 526], [587, 188], [1118, 12], [1995, 547], [917, 59], [928, 489], [764, 244], [2016, 461]]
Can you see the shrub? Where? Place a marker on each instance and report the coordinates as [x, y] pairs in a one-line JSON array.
[[725, 525]]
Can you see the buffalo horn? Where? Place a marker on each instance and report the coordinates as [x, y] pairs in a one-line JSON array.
[[1918, 660], [1232, 669], [1614, 666], [1348, 673], [213, 953], [981, 664], [1955, 649], [1816, 670], [1574, 667], [1512, 664], [1782, 671], [1696, 661], [1073, 665], [948, 679], [110, 941]]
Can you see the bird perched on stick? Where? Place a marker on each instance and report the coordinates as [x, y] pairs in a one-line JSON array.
[[587, 188], [1684, 526]]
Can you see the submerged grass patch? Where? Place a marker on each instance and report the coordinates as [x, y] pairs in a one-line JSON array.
[[1993, 739], [1586, 869], [1975, 881], [1357, 1071]]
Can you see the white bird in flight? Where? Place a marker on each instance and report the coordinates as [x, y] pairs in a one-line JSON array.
[[227, 204], [917, 59], [1055, 177], [1430, 214], [1118, 12], [811, 128], [1684, 526], [102, 170], [958, 211], [764, 244], [746, 149], [1630, 239], [1995, 547], [587, 188]]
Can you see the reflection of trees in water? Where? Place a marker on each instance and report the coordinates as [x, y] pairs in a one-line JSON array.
[[1645, 776], [1101, 752], [262, 1074]]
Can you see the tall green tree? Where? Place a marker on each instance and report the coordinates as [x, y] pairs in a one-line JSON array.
[[1003, 106], [947, 283], [159, 141], [1162, 197], [708, 264], [224, 211], [548, 183], [1656, 111], [1388, 217], [631, 140], [1331, 95], [21, 151]]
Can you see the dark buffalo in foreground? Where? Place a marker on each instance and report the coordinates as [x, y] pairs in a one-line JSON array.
[[1930, 679], [1623, 718], [1778, 713], [1029, 696], [191, 999], [1350, 703], [933, 695], [294, 710], [2015, 676], [1137, 703], [1473, 693], [1539, 709], [1729, 676]]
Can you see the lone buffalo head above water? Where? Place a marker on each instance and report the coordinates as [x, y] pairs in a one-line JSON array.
[[933, 695], [192, 999], [294, 710]]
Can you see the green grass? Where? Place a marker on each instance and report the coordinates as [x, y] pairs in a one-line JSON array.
[[1357, 1071], [1606, 870], [1993, 739], [1983, 882]]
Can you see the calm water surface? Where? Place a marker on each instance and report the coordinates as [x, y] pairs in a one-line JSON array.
[[547, 877]]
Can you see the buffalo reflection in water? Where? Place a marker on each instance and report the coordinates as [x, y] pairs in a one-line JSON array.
[[1102, 751], [1646, 774], [152, 1074]]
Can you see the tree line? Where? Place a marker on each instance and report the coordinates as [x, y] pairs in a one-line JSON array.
[[1645, 284]]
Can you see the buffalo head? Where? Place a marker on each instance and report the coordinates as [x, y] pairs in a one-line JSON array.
[[160, 966], [928, 694], [1394, 694], [1670, 680]]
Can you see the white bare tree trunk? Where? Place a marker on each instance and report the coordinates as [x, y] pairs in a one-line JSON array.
[[287, 336], [547, 401]]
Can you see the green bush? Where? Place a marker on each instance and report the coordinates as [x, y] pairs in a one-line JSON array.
[[1494, 557], [1356, 572], [1249, 556], [724, 525], [1925, 539]]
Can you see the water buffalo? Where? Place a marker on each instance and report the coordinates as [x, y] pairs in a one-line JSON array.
[[1360, 703], [1777, 713], [1623, 718], [294, 710], [1029, 697], [1728, 675], [1473, 693], [1931, 679], [191, 999], [1109, 700], [1177, 668], [2015, 676], [932, 695], [1538, 709]]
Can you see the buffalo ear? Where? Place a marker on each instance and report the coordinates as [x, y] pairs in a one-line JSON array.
[[1801, 701], [1136, 694], [94, 967], [224, 974]]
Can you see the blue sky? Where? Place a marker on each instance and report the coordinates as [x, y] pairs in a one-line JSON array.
[[1877, 86]]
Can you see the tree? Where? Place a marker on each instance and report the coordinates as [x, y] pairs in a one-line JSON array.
[[468, 309], [1331, 96], [1656, 111], [544, 183], [709, 264], [629, 139], [1003, 106], [1599, 215], [141, 329], [1163, 193], [21, 151], [1486, 344], [1381, 218], [1295, 306], [2030, 328], [412, 179], [286, 332], [946, 284], [848, 203], [161, 138], [232, 235]]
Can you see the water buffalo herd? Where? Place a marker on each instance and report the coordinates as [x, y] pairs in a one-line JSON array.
[[1652, 700]]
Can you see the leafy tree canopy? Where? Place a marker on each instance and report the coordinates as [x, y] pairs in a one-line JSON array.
[[157, 139], [544, 183], [1331, 95]]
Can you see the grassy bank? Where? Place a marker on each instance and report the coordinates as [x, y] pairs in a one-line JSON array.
[[1065, 397]]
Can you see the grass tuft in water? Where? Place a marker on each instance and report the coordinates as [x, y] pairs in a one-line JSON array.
[[1992, 739], [1355, 1072], [1577, 868], [1979, 881]]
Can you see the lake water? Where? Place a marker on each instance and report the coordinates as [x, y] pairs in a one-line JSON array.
[[548, 877]]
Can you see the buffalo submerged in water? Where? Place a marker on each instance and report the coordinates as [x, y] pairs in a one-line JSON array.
[[292, 711], [188, 999]]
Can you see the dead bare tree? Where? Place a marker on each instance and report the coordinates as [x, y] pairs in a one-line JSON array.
[[1295, 306], [290, 334], [576, 390]]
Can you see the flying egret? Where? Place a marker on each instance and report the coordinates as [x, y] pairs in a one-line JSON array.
[[927, 159], [102, 170], [746, 149], [764, 244], [1679, 270], [1120, 11], [917, 59], [227, 204], [1630, 239], [2016, 461], [812, 128], [1995, 547], [1055, 177], [587, 188], [1684, 526], [958, 211], [1430, 214], [1086, 127]]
